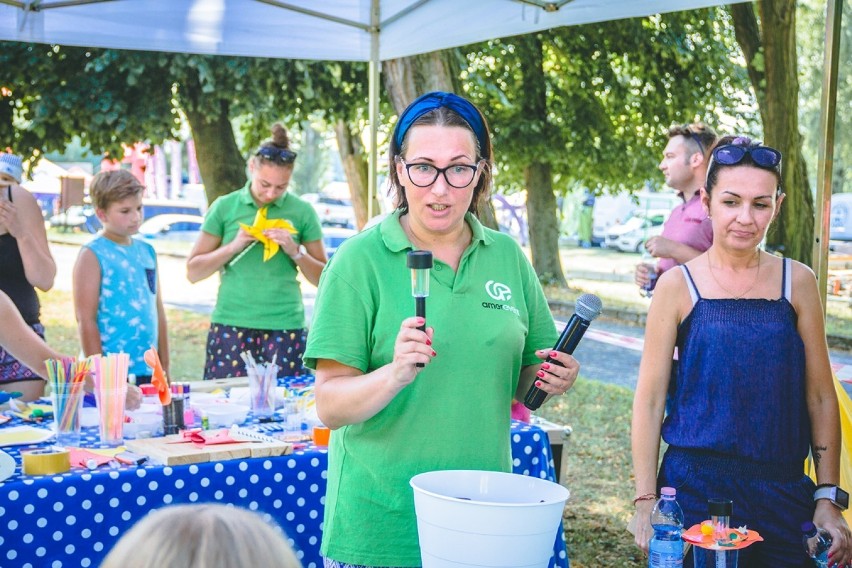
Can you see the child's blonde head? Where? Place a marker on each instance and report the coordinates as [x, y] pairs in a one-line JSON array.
[[208, 535], [113, 186]]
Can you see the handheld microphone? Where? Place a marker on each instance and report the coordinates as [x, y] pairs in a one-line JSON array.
[[586, 308], [420, 263]]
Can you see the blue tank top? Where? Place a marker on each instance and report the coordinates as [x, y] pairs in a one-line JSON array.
[[127, 307], [740, 383]]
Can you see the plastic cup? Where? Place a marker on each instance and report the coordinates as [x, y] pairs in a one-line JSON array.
[[111, 415], [704, 558], [293, 418], [262, 387], [67, 408], [321, 435]]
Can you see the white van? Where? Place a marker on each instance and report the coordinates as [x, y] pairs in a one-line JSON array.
[[613, 210]]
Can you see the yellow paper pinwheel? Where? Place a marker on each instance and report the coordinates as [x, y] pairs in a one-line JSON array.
[[261, 223]]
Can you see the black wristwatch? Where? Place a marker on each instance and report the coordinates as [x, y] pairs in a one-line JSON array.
[[838, 497]]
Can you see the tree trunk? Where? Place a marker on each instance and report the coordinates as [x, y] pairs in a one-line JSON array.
[[409, 77], [538, 176], [220, 163], [356, 169], [543, 225], [774, 78]]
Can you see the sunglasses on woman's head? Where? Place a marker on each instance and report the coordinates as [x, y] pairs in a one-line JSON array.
[[278, 155], [762, 156]]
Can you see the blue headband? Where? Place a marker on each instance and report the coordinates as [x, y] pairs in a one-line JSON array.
[[437, 99]]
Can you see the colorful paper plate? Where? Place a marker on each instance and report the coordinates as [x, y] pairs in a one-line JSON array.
[[738, 538]]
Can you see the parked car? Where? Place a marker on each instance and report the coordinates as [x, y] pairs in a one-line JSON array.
[[333, 237], [631, 235], [332, 211], [75, 217], [151, 208], [614, 209], [172, 227]]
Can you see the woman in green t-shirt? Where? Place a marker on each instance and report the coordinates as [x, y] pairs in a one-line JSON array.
[[488, 330], [259, 308]]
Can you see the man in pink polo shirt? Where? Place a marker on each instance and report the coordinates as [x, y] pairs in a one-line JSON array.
[[687, 232]]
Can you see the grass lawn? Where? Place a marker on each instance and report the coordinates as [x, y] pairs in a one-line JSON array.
[[598, 467], [187, 334]]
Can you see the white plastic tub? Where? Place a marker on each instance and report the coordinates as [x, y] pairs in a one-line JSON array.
[[468, 518]]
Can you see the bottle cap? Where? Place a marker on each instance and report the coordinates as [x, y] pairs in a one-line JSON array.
[[720, 507], [670, 491]]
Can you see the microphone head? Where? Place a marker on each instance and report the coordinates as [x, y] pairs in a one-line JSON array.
[[588, 307]]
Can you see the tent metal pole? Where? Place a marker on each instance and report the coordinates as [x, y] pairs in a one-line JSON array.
[[825, 157], [373, 94]]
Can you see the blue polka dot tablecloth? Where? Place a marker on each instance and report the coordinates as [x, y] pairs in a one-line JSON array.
[[74, 519]]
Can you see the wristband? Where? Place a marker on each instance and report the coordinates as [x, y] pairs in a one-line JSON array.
[[645, 497], [297, 256]]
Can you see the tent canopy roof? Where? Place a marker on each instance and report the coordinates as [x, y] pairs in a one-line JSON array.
[[304, 29]]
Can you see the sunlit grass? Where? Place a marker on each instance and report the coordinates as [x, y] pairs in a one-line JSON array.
[[187, 334]]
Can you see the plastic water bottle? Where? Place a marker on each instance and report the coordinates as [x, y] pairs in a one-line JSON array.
[[651, 264], [817, 541], [666, 548]]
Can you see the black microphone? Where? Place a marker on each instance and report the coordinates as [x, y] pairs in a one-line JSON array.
[[586, 308]]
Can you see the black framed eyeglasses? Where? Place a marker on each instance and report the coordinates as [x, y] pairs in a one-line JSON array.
[[277, 155], [458, 176], [732, 154]]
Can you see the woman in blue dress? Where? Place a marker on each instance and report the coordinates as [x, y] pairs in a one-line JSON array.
[[753, 393]]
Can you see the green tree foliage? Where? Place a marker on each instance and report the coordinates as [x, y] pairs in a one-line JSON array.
[[106, 97], [50, 94], [591, 104]]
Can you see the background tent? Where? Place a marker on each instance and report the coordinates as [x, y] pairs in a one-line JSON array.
[[304, 29]]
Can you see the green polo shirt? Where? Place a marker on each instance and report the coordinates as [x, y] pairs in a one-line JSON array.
[[489, 318], [252, 293]]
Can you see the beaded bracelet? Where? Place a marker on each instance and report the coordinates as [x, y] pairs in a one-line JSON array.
[[645, 497]]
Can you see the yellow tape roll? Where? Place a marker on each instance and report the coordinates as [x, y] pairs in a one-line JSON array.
[[46, 462]]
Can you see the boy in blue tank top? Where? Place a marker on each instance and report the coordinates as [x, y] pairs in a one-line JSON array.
[[117, 296]]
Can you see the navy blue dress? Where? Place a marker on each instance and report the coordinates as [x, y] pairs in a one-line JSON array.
[[739, 427]]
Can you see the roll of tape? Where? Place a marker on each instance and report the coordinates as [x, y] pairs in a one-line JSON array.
[[46, 462]]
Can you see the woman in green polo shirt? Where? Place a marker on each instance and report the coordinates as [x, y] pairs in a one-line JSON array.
[[259, 307], [489, 328]]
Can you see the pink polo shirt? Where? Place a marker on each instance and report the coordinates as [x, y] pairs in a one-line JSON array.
[[690, 225]]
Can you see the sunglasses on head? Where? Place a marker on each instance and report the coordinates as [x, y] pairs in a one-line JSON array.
[[278, 155], [697, 140], [733, 154]]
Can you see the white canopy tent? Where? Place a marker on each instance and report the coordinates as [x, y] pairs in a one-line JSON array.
[[350, 30], [355, 30]]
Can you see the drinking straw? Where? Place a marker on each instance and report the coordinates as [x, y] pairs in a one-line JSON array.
[[267, 374], [110, 375], [66, 377]]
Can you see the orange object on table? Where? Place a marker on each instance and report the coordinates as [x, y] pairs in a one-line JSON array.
[[321, 435], [739, 539], [158, 376]]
